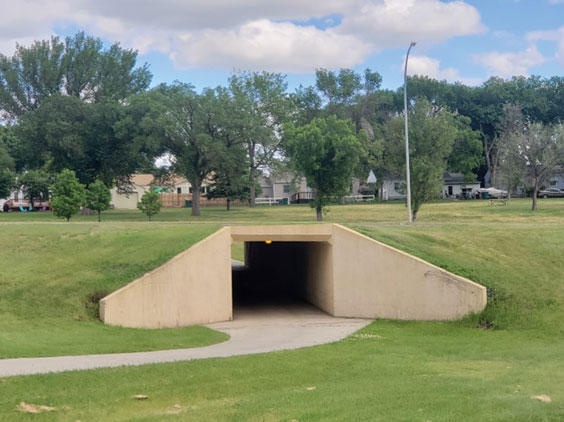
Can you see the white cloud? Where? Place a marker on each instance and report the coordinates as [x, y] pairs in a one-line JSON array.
[[398, 22], [507, 64], [428, 66], [556, 36], [247, 33], [270, 46]]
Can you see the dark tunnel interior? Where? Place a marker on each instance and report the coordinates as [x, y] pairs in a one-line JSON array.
[[274, 273]]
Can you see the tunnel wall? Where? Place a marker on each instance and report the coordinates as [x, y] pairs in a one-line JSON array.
[[319, 288], [194, 287], [373, 280]]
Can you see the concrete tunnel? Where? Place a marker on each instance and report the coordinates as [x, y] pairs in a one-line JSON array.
[[281, 273], [338, 270]]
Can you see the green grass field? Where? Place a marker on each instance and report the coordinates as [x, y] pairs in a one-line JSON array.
[[52, 275], [396, 371], [519, 210]]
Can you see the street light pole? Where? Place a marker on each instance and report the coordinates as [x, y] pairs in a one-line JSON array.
[[408, 176]]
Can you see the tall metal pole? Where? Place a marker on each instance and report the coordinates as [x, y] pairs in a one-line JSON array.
[[407, 172]]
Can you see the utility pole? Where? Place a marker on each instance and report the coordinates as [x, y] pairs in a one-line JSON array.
[[408, 176]]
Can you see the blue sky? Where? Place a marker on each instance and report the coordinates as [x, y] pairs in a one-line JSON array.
[[202, 42]]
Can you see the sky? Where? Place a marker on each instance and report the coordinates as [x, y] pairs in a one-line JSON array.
[[202, 42]]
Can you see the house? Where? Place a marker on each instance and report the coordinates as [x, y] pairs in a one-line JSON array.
[[278, 187], [282, 186], [454, 186], [177, 186]]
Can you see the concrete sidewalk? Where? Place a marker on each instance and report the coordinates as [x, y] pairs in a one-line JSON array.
[[253, 330]]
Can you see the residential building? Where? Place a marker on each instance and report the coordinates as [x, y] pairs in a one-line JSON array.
[[454, 186]]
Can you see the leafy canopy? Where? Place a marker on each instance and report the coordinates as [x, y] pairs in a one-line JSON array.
[[325, 151]]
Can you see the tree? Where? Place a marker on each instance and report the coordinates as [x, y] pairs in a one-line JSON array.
[[326, 152], [262, 107], [35, 185], [511, 166], [192, 131], [7, 182], [537, 150], [467, 152], [79, 67], [432, 132], [98, 197], [106, 140], [68, 195], [150, 203], [7, 177]]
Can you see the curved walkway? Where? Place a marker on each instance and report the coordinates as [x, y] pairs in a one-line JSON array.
[[254, 330]]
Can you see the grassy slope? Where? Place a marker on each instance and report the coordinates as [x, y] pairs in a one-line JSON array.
[[49, 273], [399, 371]]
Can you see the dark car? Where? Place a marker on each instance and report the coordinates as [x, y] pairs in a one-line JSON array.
[[551, 193]]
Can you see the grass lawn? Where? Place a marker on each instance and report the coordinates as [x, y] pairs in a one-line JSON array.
[[391, 371], [51, 275], [519, 210]]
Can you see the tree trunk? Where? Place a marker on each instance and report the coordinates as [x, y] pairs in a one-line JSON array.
[[196, 186], [414, 216], [99, 216], [535, 199], [228, 204], [252, 170], [68, 219], [252, 190], [319, 212]]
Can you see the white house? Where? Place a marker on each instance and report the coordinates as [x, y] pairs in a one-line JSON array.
[[454, 186]]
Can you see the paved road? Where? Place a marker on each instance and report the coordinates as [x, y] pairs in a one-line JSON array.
[[253, 330]]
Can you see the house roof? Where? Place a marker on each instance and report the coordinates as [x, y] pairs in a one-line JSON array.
[[142, 179], [456, 179], [145, 179]]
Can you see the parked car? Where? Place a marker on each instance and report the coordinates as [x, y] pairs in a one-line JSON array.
[[551, 193]]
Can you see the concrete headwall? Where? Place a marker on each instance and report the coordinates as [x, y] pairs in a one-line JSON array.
[[344, 273], [194, 287], [373, 280]]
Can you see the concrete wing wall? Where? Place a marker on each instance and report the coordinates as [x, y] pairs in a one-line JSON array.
[[319, 288], [192, 288], [373, 280]]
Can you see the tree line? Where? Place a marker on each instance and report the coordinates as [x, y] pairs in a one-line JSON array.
[[75, 105]]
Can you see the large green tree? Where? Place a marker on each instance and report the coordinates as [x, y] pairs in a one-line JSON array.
[[79, 66], [263, 106], [192, 127], [432, 133], [326, 152]]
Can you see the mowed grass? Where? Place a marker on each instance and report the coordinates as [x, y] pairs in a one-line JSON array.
[[390, 371], [52, 276], [473, 211]]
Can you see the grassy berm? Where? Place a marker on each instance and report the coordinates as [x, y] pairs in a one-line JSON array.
[[52, 277]]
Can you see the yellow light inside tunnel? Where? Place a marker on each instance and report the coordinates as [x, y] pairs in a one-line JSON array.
[[268, 242]]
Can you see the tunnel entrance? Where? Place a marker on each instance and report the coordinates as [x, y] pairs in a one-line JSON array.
[[282, 273]]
